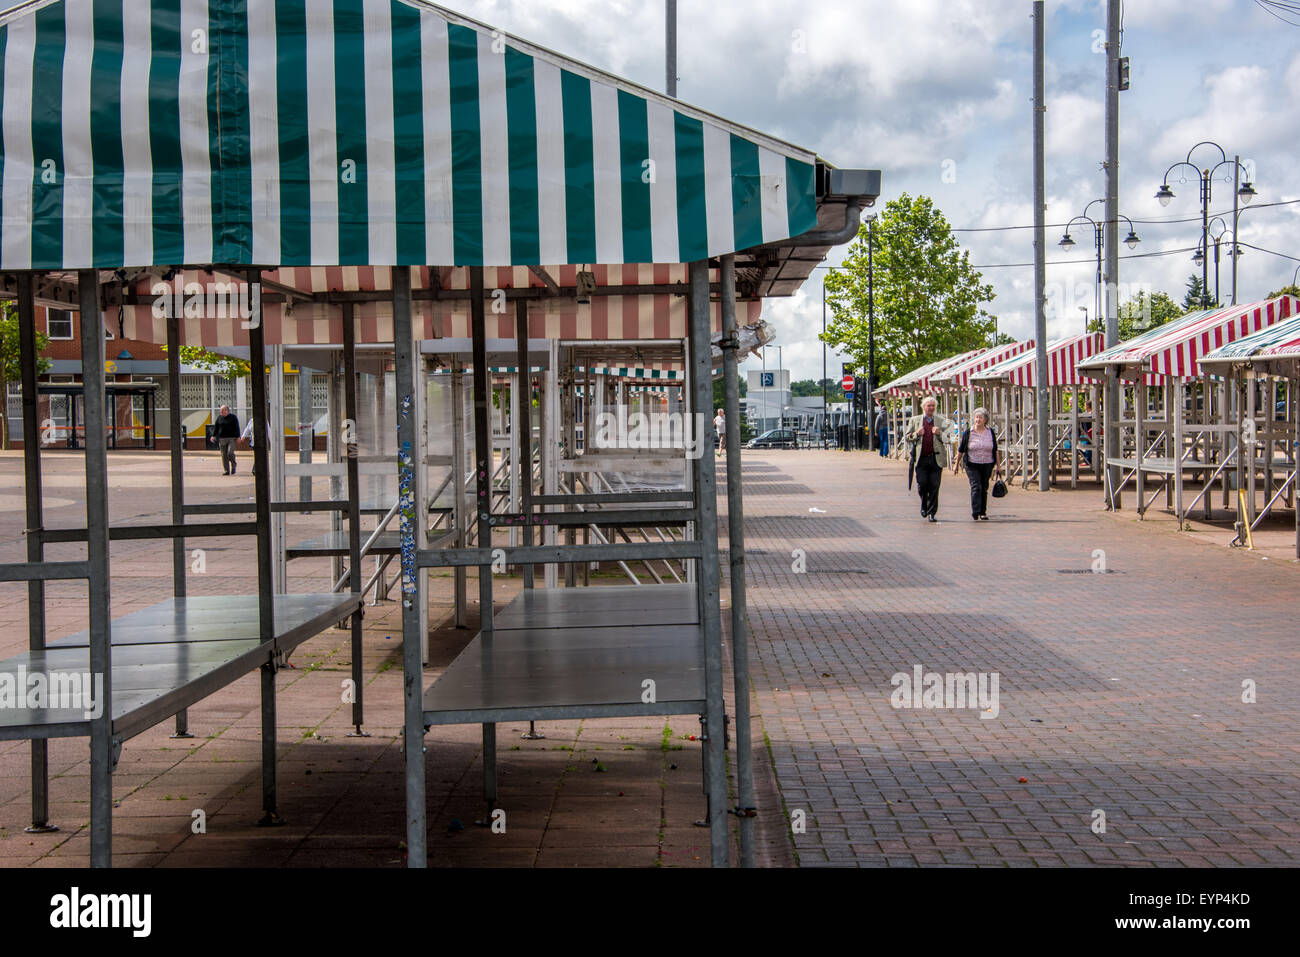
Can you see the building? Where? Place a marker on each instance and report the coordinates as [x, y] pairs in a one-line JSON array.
[[130, 361]]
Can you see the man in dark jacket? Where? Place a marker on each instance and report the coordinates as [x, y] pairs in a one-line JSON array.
[[227, 434]]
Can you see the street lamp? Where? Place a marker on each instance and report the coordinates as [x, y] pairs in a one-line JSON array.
[[1084, 310], [1067, 243], [1234, 250], [1243, 193]]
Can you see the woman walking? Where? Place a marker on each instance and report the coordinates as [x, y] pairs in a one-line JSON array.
[[979, 453], [929, 435]]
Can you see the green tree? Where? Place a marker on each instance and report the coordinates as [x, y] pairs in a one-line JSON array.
[[1291, 290], [11, 368], [1197, 297], [928, 298], [720, 391], [811, 387], [227, 367], [1004, 340], [1142, 312]]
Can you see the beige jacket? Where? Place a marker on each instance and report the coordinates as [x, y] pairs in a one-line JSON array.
[[946, 436]]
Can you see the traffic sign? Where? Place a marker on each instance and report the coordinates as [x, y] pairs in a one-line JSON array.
[[847, 383]]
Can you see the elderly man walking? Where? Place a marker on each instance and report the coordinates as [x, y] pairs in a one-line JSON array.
[[227, 434], [929, 436]]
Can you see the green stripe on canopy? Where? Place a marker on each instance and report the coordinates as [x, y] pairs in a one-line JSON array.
[[360, 132]]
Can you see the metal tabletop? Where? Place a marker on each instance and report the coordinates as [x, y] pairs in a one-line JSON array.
[[166, 658], [338, 543], [541, 673], [599, 606]]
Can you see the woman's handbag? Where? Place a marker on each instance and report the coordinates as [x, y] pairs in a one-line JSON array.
[[999, 489]]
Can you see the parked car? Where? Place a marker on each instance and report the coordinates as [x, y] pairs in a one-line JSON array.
[[775, 439]]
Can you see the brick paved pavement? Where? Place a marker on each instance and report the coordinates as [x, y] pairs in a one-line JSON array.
[[1118, 692]]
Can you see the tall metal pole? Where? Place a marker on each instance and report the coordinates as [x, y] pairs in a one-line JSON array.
[[822, 430], [412, 639], [1112, 237], [670, 47], [871, 305], [99, 603], [177, 448], [1040, 252], [1236, 212], [1205, 238], [736, 559], [707, 578], [35, 529]]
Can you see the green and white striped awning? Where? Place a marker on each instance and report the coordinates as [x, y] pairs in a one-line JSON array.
[[355, 132]]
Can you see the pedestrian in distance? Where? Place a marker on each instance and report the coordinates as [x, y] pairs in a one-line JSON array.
[[979, 453], [929, 436], [247, 436], [882, 431], [720, 427], [226, 432]]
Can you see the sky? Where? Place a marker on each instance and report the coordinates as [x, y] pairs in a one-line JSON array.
[[937, 94]]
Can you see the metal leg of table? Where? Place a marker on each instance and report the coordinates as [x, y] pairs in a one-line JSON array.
[[270, 811]]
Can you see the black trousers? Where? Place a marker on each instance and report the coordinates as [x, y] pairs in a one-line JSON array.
[[979, 475], [928, 475]]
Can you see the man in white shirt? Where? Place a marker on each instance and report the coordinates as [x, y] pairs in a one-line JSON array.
[[720, 426]]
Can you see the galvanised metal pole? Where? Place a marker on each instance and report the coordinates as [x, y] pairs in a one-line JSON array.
[[1205, 238], [1040, 256], [736, 561], [670, 47], [1236, 214], [484, 462], [732, 287], [1112, 240], [99, 603], [261, 438], [35, 530], [354, 506], [707, 580], [524, 421], [412, 667], [871, 323], [176, 453]]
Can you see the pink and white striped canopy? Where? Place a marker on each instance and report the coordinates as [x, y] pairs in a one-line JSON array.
[[959, 376], [209, 321], [926, 377], [912, 382], [1063, 358], [1175, 349]]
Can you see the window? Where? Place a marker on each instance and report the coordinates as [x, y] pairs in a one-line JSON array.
[[58, 324]]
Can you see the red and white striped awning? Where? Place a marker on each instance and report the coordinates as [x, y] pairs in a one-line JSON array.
[[959, 376], [924, 380], [912, 382], [1063, 358], [1175, 349], [208, 306]]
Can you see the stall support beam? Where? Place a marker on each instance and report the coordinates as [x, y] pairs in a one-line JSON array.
[[412, 640], [35, 526], [736, 561], [99, 604], [484, 463], [262, 449], [707, 580], [176, 456], [354, 508]]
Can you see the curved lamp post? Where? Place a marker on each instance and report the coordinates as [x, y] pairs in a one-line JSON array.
[[1067, 242], [1244, 192]]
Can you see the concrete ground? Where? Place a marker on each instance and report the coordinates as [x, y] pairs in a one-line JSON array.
[[1119, 693]]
